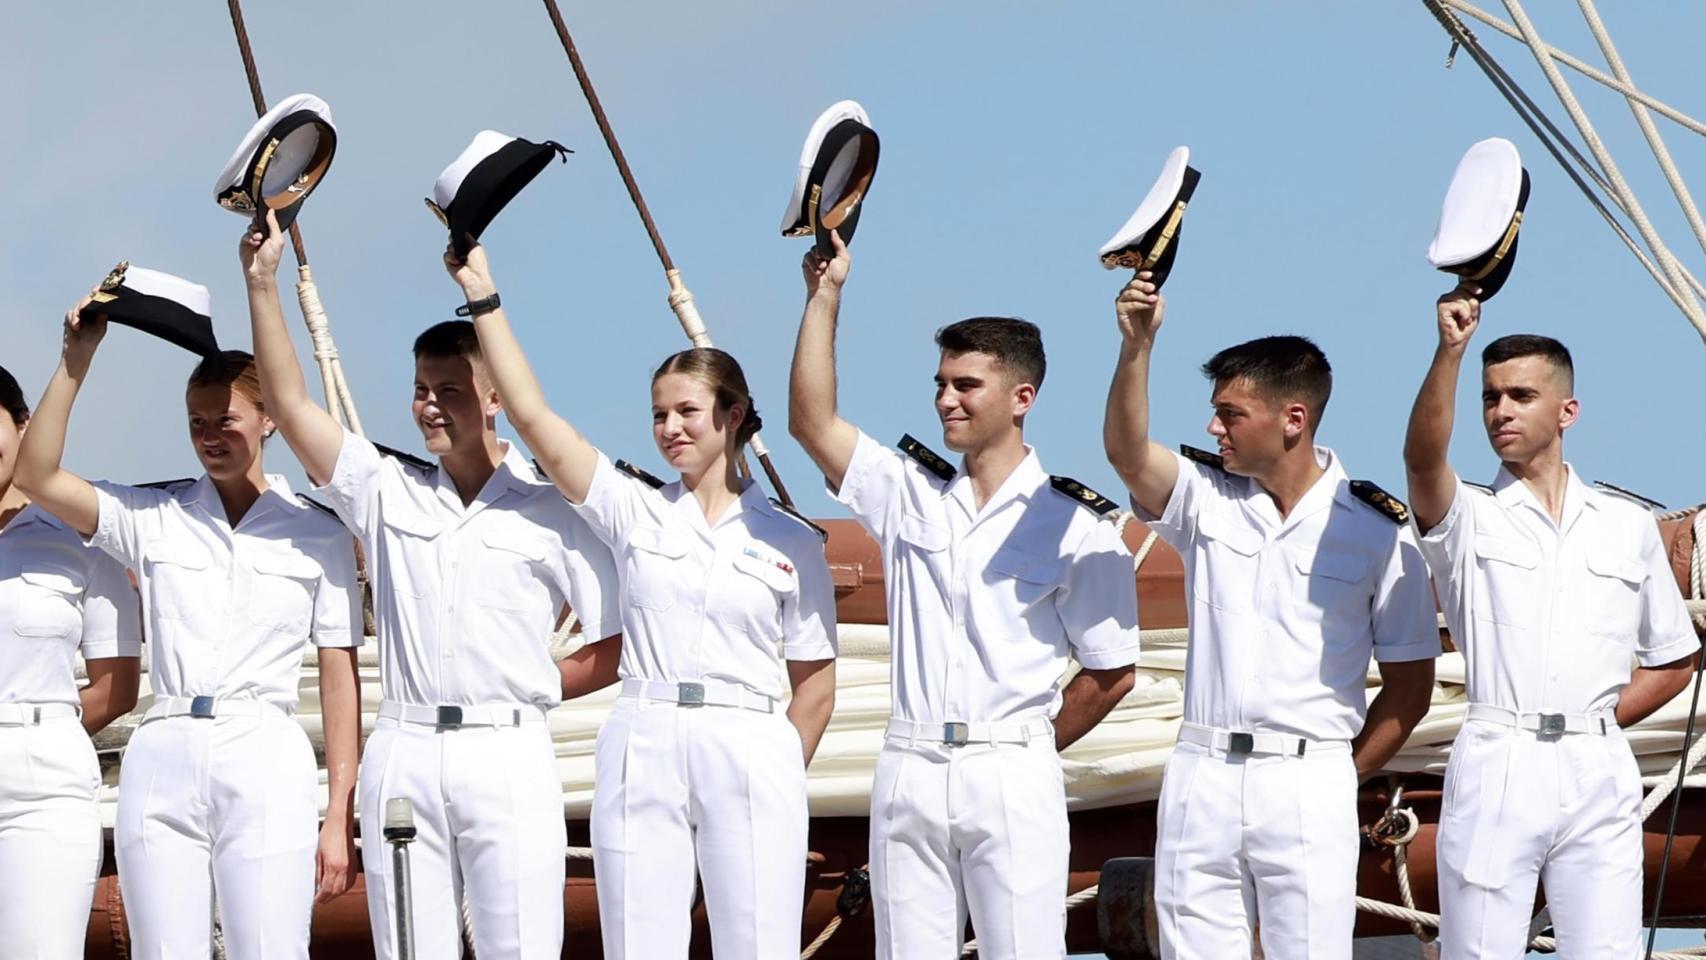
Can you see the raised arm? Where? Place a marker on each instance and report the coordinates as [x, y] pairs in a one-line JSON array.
[[1432, 482], [39, 474], [569, 460], [1148, 469], [313, 435], [812, 416]]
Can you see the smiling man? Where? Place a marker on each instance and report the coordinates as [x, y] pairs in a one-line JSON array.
[[1553, 591], [997, 574], [1295, 576]]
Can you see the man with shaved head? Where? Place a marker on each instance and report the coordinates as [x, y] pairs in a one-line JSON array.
[[1552, 590]]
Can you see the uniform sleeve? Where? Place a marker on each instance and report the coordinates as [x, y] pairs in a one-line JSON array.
[[353, 491], [808, 615], [112, 615], [611, 505], [130, 518], [1178, 521], [593, 590], [873, 487], [1405, 626], [1097, 603], [1667, 632], [1445, 548], [337, 596]]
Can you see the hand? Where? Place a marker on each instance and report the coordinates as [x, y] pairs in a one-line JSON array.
[[826, 275], [261, 252], [470, 272], [82, 335], [334, 861], [1459, 315], [1139, 308]]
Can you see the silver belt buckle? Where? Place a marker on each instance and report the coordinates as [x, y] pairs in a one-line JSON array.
[[449, 717], [201, 708], [1552, 724], [956, 734], [690, 694], [1241, 744]]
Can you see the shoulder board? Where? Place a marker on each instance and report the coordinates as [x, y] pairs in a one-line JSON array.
[[638, 474], [797, 515], [1202, 456], [170, 486], [1082, 495], [312, 503], [408, 459], [1483, 487], [1629, 495], [927, 458], [539, 472], [1383, 503]]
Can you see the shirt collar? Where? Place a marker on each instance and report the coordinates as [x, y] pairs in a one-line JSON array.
[[1332, 486], [203, 494], [1512, 492], [752, 498], [1021, 484], [513, 472], [33, 513]]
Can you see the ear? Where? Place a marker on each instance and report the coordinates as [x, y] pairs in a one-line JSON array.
[[1296, 420], [494, 403], [1024, 398], [1569, 413], [268, 428]]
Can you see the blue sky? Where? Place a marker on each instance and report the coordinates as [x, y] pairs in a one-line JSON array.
[[1016, 138]]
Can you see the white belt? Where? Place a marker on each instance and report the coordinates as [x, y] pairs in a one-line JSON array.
[[695, 693], [955, 733], [1549, 724], [1243, 743], [456, 716], [32, 714], [207, 708]]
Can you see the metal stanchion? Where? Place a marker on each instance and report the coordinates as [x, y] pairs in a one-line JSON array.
[[399, 833]]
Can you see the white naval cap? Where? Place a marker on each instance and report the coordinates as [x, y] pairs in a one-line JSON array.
[[1150, 238], [837, 164], [281, 160], [1482, 214], [171, 308], [484, 178]]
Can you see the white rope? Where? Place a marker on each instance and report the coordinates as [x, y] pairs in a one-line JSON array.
[[338, 398], [1620, 188], [822, 938], [1081, 897]]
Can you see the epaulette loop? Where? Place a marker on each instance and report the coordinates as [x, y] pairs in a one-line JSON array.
[[1384, 503], [1630, 495], [927, 458], [314, 504], [170, 486], [638, 474], [797, 515], [1082, 495], [407, 459]]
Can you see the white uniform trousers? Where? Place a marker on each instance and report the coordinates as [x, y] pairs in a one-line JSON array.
[[1257, 835], [218, 808], [1564, 810], [489, 821], [50, 839], [723, 787], [979, 826]]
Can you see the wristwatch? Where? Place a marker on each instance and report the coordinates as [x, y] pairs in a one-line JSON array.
[[475, 308]]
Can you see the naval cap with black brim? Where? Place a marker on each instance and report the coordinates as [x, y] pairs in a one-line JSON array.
[[171, 308], [1482, 214], [487, 176], [284, 157], [837, 165], [1150, 239]]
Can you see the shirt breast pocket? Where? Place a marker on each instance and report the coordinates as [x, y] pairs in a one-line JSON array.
[[1336, 592], [1506, 580], [655, 570], [1612, 603], [757, 588], [283, 594], [179, 578], [1014, 595], [50, 605], [410, 557], [518, 567], [1226, 569]]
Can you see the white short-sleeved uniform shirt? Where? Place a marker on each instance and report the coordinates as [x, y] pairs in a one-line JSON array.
[[727, 602], [58, 598], [1551, 617], [1285, 613], [985, 606], [230, 610], [466, 597]]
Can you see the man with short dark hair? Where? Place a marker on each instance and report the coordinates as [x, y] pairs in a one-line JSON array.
[[1295, 575], [996, 574], [1551, 590], [473, 559]]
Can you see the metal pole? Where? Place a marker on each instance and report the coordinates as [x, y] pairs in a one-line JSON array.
[[399, 833]]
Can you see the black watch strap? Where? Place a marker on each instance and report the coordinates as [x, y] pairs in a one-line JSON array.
[[475, 308]]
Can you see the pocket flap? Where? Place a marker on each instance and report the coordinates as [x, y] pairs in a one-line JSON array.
[[1223, 529], [531, 546], [292, 565], [1023, 565], [765, 572], [1513, 552], [413, 524], [1333, 564], [51, 580], [921, 533], [655, 540], [186, 555], [1629, 571]]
